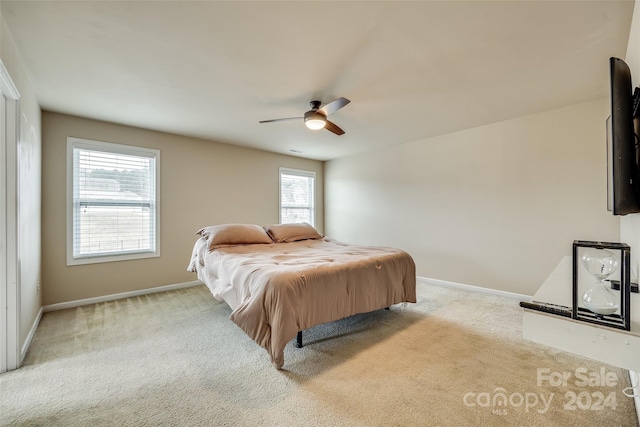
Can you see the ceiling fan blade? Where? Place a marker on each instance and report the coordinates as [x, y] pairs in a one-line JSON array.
[[280, 120], [333, 106], [332, 127]]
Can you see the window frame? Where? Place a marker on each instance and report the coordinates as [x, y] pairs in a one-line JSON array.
[[298, 172], [73, 143]]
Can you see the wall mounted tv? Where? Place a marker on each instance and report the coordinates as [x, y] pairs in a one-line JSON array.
[[623, 143]]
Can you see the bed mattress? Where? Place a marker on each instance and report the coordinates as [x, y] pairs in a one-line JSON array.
[[276, 290]]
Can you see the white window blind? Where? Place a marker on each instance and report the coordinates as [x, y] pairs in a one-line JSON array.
[[297, 196], [113, 203]]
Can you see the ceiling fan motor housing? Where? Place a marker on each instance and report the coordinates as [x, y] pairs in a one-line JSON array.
[[315, 120]]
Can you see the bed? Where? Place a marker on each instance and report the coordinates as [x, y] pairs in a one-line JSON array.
[[282, 279]]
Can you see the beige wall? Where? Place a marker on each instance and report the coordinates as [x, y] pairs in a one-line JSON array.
[[202, 183], [29, 151], [496, 206]]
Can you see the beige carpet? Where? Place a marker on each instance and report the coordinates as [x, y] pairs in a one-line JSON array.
[[175, 359]]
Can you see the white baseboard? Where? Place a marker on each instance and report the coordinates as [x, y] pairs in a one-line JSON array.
[[32, 333], [472, 288], [113, 297]]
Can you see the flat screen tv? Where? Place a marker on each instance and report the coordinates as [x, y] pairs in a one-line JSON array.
[[623, 148]]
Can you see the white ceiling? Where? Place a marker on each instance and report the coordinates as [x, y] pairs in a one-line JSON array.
[[412, 70]]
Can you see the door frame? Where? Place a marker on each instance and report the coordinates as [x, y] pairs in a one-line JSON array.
[[9, 261]]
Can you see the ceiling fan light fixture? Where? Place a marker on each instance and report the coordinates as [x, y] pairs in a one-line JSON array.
[[315, 120], [315, 124]]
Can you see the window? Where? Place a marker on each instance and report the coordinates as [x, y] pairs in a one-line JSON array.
[[297, 196], [112, 202]]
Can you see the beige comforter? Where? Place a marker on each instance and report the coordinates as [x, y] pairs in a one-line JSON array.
[[276, 290]]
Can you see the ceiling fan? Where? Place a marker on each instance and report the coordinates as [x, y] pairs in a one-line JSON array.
[[316, 118]]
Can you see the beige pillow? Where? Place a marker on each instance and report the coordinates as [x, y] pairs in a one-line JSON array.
[[285, 233], [234, 234]]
